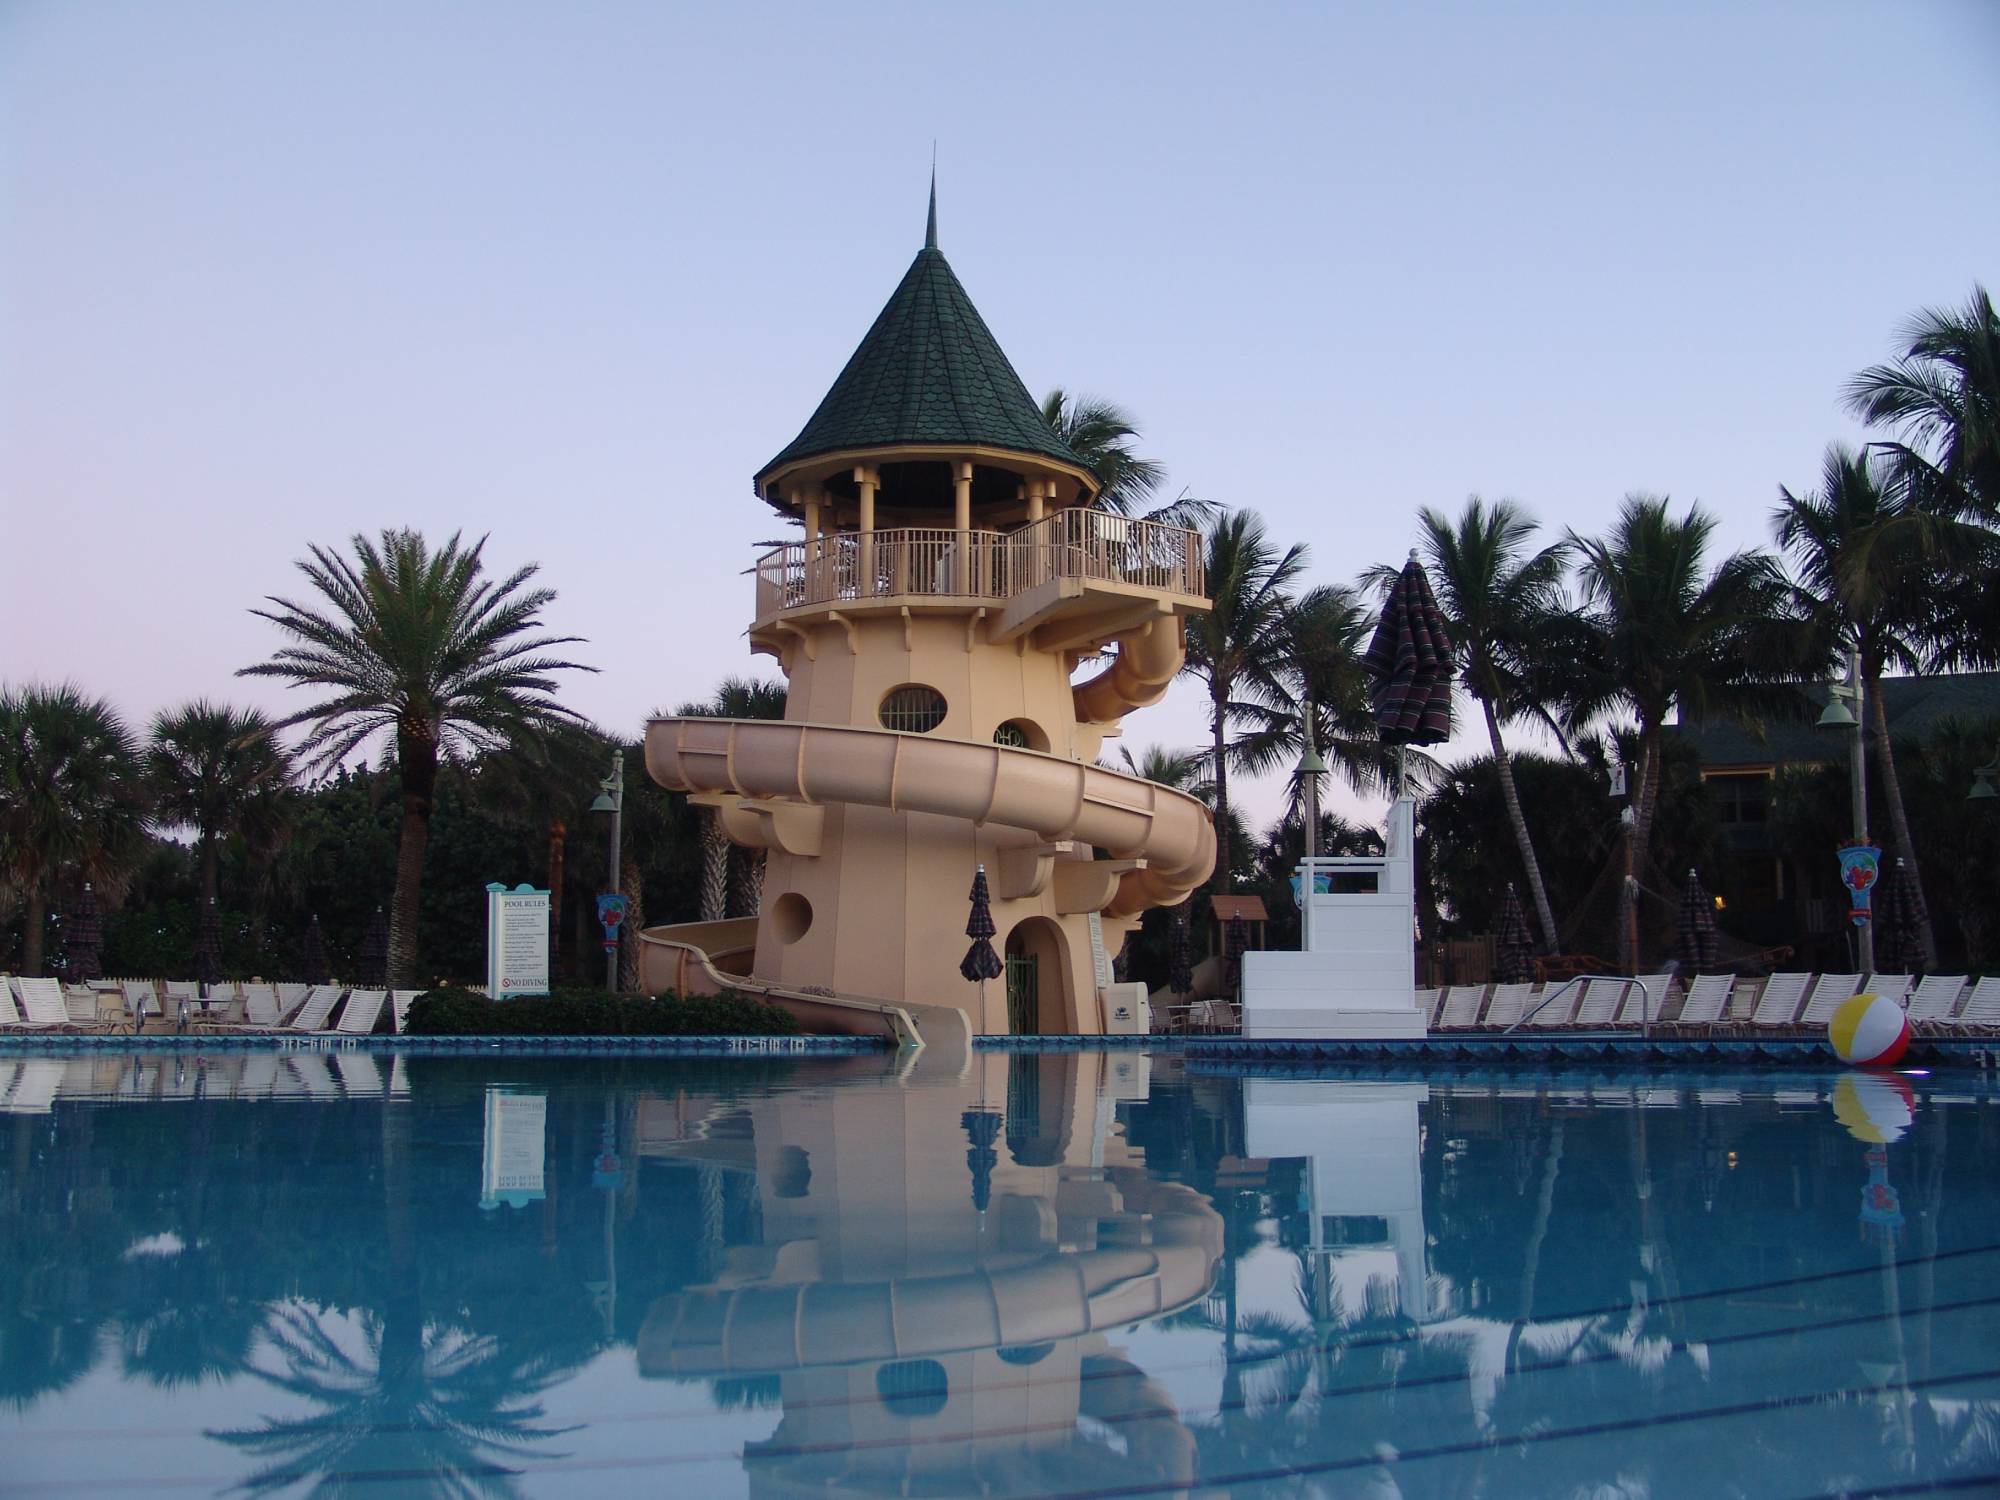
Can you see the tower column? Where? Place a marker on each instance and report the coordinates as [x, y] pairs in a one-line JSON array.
[[961, 521], [867, 480]]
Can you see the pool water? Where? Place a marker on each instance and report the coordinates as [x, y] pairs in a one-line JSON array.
[[1098, 1274]]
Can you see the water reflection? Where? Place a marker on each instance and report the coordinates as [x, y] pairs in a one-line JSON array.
[[1005, 1275]]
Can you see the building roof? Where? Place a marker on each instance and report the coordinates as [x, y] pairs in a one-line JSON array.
[[1913, 706], [1229, 908], [928, 371]]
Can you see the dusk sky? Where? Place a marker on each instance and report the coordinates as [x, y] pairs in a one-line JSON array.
[[568, 274]]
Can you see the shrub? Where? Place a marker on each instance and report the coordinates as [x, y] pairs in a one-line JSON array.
[[592, 1012]]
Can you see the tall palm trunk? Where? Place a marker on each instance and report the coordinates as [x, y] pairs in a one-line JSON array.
[[416, 759], [633, 889], [1512, 797], [36, 927], [1899, 822], [1219, 695], [1639, 845], [714, 866], [211, 860]]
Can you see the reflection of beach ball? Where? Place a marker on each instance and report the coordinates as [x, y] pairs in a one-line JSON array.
[[1875, 1107], [1870, 1031]]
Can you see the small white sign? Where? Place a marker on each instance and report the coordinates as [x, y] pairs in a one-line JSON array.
[[517, 941]]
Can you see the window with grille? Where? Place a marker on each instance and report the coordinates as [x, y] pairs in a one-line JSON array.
[[913, 709], [1011, 735]]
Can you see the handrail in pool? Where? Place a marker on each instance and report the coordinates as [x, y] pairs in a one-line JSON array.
[[1627, 980]]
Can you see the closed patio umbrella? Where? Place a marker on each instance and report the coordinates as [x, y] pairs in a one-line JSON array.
[[208, 947], [1899, 935], [83, 938], [1513, 949], [1410, 663], [1180, 962], [981, 963], [1694, 933], [314, 960], [1235, 943], [982, 1129], [373, 964]]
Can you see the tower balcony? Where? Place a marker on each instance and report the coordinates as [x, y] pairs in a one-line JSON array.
[[1096, 570]]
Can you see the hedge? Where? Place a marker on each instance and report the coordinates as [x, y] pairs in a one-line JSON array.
[[591, 1012]]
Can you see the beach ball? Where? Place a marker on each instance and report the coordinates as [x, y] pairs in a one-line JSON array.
[[1875, 1108], [1869, 1031]]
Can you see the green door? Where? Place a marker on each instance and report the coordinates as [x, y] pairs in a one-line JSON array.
[[1024, 994]]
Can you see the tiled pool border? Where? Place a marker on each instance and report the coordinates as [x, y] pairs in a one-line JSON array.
[[726, 1046]]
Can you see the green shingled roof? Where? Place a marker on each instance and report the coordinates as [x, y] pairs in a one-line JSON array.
[[929, 371]]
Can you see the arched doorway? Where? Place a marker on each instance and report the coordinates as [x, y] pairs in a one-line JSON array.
[[1037, 986]]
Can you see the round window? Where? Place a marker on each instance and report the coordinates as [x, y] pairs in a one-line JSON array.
[[1021, 734], [791, 917], [913, 1387], [913, 709]]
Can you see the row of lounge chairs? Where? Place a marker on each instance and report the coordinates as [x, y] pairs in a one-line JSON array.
[[130, 1005], [1941, 1005], [31, 1085]]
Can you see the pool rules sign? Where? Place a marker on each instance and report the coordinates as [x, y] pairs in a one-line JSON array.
[[517, 941]]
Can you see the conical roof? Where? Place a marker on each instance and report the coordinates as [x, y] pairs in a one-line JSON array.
[[929, 371]]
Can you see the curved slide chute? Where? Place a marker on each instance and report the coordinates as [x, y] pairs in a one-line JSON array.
[[1148, 661], [1046, 795]]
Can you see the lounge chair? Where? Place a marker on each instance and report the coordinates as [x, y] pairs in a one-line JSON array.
[[10, 1015], [1427, 1005], [1707, 1000], [315, 1009], [34, 1092], [41, 1002], [399, 1006], [141, 1000], [1645, 1006], [357, 1017], [260, 1005], [1461, 1006], [290, 998], [1597, 1005], [1982, 1007], [1561, 1009], [1895, 986], [1508, 1001], [1935, 999], [80, 1001], [1778, 1001], [1826, 997]]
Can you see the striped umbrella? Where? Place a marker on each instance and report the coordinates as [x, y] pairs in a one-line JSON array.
[[982, 1129], [1694, 933], [208, 947], [981, 963], [374, 960], [1513, 949], [1898, 933], [1411, 663], [83, 936], [314, 959]]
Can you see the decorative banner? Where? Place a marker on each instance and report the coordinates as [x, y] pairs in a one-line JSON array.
[[1860, 868], [611, 912]]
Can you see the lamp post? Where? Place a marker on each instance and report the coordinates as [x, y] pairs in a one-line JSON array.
[[1983, 779], [611, 799], [1311, 768], [1845, 709]]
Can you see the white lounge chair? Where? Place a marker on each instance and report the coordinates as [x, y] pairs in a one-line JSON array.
[[1826, 997], [399, 1006], [10, 1014], [290, 998], [1778, 1001], [41, 1002], [1427, 1005], [357, 1017], [1895, 986], [1561, 1010], [141, 1000], [1707, 1000], [318, 1005], [1461, 1006], [260, 1005], [1641, 1006], [1935, 998], [1982, 1006], [1597, 1005], [1509, 1000]]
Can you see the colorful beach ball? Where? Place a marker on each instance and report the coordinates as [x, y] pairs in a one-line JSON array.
[[1869, 1031]]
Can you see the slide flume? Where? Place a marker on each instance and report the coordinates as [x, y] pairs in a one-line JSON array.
[[1046, 795]]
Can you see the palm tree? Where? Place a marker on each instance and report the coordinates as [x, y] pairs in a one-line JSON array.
[[221, 772], [72, 803], [1239, 648], [1942, 394], [420, 645], [734, 698], [1869, 554], [1102, 433], [1664, 634], [1496, 596]]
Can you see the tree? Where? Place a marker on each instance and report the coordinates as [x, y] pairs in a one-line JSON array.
[[1869, 553], [1497, 597], [1664, 633], [1238, 648], [419, 645], [221, 772], [72, 804], [734, 698], [1102, 434], [1942, 394]]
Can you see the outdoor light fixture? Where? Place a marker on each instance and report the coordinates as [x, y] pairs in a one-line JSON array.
[[1836, 715], [611, 799], [603, 803], [1983, 777]]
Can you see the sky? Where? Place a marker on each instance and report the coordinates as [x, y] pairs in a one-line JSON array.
[[566, 276]]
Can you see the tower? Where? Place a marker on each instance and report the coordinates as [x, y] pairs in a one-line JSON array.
[[950, 578]]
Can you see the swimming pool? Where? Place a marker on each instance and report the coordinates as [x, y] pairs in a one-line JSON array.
[[1081, 1274]]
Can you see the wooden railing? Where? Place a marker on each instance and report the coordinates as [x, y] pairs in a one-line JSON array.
[[940, 562]]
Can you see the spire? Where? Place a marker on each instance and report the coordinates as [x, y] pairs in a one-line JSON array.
[[930, 227]]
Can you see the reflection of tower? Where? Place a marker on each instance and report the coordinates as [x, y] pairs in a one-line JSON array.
[[951, 576], [1363, 1146], [921, 1343]]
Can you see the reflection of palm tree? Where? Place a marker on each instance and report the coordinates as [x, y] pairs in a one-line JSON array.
[[439, 1410]]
